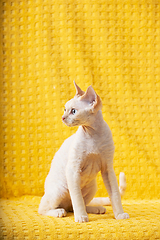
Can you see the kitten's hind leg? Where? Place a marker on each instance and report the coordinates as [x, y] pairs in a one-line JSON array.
[[100, 201], [48, 207], [95, 210], [88, 193], [59, 212]]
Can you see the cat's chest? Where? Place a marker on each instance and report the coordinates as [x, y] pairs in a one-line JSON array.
[[89, 146], [90, 166]]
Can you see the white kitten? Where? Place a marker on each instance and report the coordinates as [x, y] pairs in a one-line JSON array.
[[71, 182]]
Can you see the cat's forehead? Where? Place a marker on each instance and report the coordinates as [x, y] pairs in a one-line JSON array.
[[75, 103]]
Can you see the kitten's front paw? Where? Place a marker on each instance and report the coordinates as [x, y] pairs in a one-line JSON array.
[[122, 216], [82, 218]]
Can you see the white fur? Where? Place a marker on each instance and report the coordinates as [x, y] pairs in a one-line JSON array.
[[71, 182]]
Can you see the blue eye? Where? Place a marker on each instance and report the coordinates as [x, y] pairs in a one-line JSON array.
[[73, 111]]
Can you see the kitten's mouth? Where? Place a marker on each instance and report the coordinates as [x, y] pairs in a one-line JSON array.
[[63, 120], [69, 124]]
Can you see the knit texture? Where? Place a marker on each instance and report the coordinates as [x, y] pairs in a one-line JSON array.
[[114, 46], [21, 221]]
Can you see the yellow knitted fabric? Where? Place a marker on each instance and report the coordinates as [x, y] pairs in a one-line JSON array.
[[22, 221], [45, 45]]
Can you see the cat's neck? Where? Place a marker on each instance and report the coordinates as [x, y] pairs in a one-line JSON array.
[[95, 126]]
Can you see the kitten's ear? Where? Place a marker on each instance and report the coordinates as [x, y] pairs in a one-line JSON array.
[[79, 92], [92, 97]]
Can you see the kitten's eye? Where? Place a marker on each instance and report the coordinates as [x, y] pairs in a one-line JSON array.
[[73, 111], [64, 110]]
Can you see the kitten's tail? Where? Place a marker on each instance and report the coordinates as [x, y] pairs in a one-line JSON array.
[[105, 201]]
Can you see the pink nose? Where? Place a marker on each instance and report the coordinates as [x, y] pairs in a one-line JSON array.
[[63, 117]]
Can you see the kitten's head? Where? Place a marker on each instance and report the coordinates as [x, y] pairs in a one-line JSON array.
[[82, 109]]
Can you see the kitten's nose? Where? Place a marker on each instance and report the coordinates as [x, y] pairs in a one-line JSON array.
[[63, 118]]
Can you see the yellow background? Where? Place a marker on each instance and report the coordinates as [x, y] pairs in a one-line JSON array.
[[45, 45]]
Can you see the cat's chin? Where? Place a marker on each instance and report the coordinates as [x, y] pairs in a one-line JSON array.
[[70, 124]]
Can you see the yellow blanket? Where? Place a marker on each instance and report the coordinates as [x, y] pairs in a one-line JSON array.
[[45, 45]]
